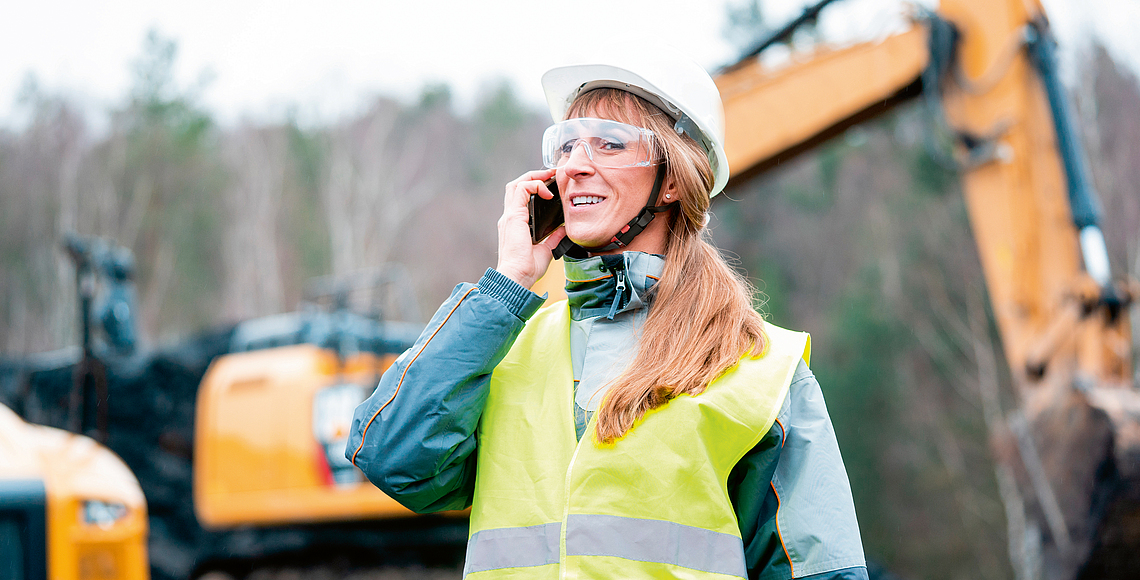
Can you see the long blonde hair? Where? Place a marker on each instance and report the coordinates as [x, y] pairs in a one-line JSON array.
[[701, 320]]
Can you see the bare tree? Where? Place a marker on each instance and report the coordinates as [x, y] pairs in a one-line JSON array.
[[253, 284], [381, 169]]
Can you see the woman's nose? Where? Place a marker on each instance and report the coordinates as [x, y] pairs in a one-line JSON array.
[[581, 159]]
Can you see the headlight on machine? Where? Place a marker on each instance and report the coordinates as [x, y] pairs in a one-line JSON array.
[[100, 513]]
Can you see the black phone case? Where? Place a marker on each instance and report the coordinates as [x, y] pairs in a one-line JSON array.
[[545, 214]]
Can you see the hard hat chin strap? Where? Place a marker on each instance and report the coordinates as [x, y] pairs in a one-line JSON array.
[[628, 232]]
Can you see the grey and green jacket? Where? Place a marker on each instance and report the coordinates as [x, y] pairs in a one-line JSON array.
[[414, 438]]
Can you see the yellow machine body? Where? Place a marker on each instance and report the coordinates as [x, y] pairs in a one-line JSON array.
[[95, 513], [269, 436]]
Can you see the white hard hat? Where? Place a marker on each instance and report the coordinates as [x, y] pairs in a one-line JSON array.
[[664, 77]]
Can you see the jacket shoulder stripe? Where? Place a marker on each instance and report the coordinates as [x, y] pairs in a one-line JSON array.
[[400, 383]]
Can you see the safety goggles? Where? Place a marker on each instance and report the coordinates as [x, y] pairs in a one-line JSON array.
[[606, 143]]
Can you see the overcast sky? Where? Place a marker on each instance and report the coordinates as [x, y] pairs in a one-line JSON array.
[[327, 59]]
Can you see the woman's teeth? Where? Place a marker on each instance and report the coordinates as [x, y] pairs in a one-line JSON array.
[[586, 200]]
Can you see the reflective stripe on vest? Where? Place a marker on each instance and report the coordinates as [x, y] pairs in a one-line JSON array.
[[655, 541], [597, 535], [512, 548], [653, 504]]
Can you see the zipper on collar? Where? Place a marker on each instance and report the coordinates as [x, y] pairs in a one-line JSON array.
[[619, 275]]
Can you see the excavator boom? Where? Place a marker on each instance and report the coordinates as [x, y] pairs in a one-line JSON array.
[[773, 115], [987, 68]]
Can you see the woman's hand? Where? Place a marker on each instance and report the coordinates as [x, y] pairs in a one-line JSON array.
[[519, 259]]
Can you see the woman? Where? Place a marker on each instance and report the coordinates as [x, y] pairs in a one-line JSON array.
[[652, 426]]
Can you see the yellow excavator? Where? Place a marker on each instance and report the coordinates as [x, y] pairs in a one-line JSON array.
[[70, 509], [990, 68], [236, 437], [287, 466]]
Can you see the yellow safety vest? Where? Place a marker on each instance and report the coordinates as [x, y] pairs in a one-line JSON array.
[[652, 505]]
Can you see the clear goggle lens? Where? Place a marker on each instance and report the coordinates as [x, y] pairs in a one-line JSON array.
[[606, 143]]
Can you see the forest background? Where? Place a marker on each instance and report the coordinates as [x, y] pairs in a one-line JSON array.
[[864, 242]]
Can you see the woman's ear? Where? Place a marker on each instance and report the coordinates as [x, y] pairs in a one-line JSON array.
[[668, 193]]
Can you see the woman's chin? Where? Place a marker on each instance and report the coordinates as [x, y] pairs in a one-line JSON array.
[[589, 242], [587, 238]]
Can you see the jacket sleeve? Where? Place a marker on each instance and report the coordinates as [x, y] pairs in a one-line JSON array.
[[414, 437], [792, 496]]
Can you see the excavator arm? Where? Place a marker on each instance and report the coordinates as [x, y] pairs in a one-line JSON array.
[[816, 99], [989, 68]]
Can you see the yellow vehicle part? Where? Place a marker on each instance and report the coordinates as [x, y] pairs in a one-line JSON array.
[[1016, 194], [269, 439], [773, 114], [552, 283], [95, 510]]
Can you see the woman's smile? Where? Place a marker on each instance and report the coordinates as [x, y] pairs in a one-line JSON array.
[[586, 200]]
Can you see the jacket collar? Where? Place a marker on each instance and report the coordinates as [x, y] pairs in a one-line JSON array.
[[592, 283]]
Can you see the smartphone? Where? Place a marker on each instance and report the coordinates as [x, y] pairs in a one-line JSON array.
[[545, 214]]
